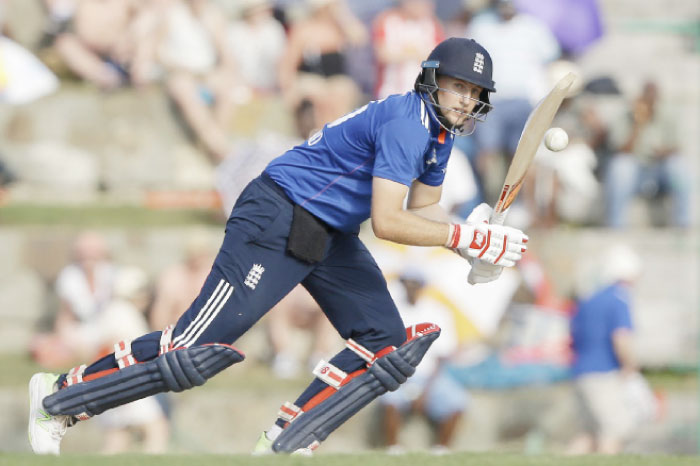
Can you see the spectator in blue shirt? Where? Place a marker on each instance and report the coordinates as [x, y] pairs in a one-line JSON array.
[[602, 340]]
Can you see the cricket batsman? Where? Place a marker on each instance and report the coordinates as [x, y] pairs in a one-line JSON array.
[[298, 222]]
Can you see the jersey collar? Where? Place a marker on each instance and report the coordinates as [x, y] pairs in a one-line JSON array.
[[430, 122]]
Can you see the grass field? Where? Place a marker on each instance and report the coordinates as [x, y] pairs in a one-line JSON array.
[[104, 216], [368, 459]]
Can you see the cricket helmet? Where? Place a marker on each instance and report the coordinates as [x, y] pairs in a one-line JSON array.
[[463, 59]]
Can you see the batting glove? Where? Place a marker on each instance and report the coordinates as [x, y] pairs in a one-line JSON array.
[[480, 214], [483, 272], [492, 244]]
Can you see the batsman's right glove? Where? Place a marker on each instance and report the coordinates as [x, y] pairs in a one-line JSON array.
[[492, 244]]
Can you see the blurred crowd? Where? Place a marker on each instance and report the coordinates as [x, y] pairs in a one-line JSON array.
[[322, 58]]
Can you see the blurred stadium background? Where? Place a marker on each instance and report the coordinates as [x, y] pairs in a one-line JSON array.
[[119, 158]]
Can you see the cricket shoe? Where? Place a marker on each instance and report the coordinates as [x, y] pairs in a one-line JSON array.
[[303, 452], [45, 430], [263, 446]]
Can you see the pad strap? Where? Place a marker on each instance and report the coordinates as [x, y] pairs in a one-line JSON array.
[[75, 375], [366, 354], [360, 350], [289, 411], [329, 374], [122, 354], [166, 340]]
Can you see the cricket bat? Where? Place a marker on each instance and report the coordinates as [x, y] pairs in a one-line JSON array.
[[537, 124]]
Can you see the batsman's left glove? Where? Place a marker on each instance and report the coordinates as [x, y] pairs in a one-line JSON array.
[[480, 214], [483, 272]]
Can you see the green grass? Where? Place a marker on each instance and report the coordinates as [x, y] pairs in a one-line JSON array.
[[104, 216], [367, 459], [21, 366], [674, 379]]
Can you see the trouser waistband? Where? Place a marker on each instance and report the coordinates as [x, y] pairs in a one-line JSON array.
[[268, 181]]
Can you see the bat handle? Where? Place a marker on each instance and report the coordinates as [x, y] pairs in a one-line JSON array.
[[498, 218]]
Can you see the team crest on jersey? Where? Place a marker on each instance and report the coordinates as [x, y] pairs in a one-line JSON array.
[[254, 276], [479, 63], [433, 159]]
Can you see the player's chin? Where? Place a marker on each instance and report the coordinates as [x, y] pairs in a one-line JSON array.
[[458, 119]]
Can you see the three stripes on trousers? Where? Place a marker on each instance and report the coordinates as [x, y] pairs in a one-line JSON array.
[[205, 316]]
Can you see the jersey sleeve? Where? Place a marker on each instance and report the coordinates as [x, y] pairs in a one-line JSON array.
[[435, 174], [399, 148], [620, 315]]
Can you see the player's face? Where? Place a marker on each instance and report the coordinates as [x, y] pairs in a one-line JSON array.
[[458, 98]]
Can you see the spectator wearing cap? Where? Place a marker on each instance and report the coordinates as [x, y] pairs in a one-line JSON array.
[[602, 342]]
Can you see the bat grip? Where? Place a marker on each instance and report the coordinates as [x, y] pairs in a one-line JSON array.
[[498, 218]]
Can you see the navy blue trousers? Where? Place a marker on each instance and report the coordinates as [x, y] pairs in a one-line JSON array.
[[253, 271]]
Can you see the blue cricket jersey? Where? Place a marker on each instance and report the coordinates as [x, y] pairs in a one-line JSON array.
[[593, 325], [330, 174]]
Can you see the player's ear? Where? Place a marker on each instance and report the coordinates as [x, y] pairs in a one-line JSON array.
[[484, 97]]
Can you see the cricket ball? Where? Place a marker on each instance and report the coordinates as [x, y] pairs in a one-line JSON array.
[[556, 139]]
